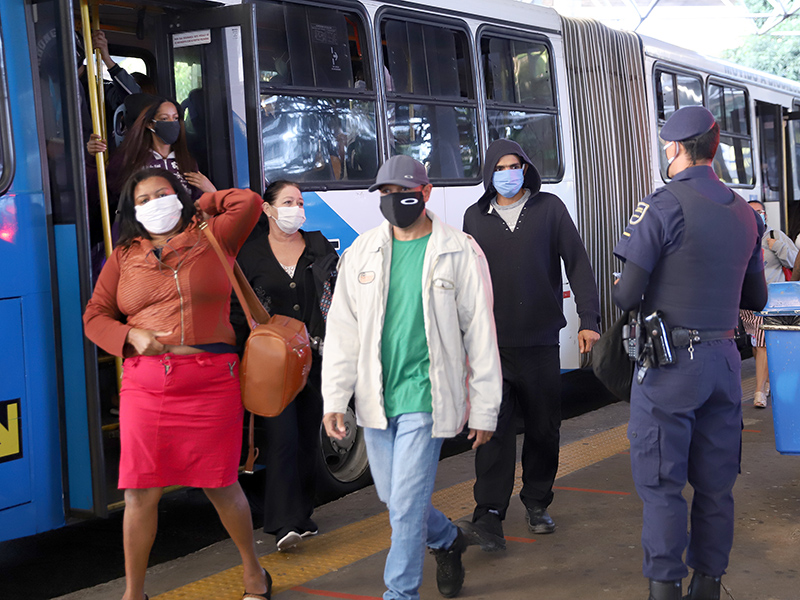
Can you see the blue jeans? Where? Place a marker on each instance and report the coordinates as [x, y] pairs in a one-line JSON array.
[[403, 459]]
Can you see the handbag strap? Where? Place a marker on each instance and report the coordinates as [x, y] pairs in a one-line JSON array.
[[254, 311], [252, 451]]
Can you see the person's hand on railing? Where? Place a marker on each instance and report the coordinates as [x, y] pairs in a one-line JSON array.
[[95, 144], [100, 43]]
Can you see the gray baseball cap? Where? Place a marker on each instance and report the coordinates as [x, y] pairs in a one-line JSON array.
[[401, 170]]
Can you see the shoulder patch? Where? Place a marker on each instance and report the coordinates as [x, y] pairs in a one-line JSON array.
[[639, 212]]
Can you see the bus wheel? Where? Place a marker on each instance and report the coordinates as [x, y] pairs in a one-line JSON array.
[[344, 465]]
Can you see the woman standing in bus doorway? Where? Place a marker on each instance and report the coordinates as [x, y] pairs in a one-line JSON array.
[[162, 301], [779, 251], [293, 273], [157, 139]]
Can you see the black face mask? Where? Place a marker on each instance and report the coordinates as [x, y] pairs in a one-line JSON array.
[[401, 209], [167, 131]]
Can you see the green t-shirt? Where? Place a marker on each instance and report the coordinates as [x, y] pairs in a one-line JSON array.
[[404, 346]]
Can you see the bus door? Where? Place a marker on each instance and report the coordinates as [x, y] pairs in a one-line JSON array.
[[214, 78], [793, 170], [772, 154]]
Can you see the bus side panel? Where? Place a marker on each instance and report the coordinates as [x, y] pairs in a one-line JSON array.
[[24, 254], [15, 460], [75, 408]]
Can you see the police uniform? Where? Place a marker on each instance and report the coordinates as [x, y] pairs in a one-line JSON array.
[[697, 240]]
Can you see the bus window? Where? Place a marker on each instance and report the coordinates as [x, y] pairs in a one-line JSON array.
[[770, 125], [673, 91], [520, 98], [430, 99], [188, 69], [317, 94], [6, 142], [733, 162]]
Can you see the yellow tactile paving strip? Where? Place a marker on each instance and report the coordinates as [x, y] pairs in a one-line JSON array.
[[331, 551]]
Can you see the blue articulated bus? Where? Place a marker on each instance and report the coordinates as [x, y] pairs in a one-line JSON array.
[[321, 92]]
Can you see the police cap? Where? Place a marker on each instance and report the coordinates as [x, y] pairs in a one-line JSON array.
[[686, 123]]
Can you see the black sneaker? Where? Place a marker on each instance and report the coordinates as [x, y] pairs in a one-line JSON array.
[[539, 521], [449, 570], [486, 531]]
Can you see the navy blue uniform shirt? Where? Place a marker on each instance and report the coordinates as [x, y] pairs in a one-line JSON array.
[[656, 227]]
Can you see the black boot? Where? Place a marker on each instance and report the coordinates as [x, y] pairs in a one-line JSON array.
[[486, 531], [703, 587], [449, 570], [665, 590]]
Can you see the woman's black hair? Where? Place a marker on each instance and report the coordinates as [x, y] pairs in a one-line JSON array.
[[271, 193], [129, 227]]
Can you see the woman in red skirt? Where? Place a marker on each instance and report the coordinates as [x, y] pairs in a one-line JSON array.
[[162, 301]]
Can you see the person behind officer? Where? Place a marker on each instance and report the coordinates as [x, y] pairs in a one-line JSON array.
[[693, 249], [410, 332], [779, 252], [525, 234]]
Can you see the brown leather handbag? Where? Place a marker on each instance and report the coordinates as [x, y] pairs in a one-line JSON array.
[[277, 356]]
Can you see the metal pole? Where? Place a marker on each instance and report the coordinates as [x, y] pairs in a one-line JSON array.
[[97, 127], [94, 104], [101, 91]]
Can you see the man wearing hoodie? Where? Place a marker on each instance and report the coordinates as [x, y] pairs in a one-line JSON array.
[[525, 233], [413, 300]]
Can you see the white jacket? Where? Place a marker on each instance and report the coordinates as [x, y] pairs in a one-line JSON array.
[[457, 311]]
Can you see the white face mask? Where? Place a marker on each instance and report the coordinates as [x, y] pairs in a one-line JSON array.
[[290, 218], [160, 215]]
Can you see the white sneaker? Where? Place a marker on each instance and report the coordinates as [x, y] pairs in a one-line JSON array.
[[290, 540], [760, 400]]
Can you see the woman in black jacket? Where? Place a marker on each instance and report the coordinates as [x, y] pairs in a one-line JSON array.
[[293, 272]]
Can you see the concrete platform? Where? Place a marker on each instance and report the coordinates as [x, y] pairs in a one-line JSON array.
[[594, 553]]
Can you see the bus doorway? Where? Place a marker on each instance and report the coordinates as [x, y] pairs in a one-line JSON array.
[[771, 152], [213, 76]]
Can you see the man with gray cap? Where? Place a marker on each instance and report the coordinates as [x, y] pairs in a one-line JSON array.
[[526, 233], [692, 254], [410, 333]]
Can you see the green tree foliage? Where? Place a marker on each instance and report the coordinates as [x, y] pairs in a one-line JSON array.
[[772, 52]]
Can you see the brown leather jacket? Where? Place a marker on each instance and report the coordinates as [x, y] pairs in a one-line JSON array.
[[187, 292]]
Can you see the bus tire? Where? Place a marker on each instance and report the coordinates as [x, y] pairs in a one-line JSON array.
[[343, 466]]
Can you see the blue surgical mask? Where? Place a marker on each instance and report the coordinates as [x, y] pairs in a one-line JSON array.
[[509, 182], [763, 218]]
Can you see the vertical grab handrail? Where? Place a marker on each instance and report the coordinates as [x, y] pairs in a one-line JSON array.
[[101, 91], [97, 128]]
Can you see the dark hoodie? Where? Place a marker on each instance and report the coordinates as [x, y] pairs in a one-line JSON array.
[[524, 263]]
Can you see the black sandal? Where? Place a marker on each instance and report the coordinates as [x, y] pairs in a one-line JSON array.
[[265, 596]]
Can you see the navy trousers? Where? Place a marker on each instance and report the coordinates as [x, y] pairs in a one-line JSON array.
[[532, 385], [686, 425]]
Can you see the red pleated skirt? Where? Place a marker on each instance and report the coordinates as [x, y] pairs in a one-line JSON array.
[[180, 421]]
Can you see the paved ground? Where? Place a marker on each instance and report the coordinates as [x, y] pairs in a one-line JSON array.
[[595, 552]]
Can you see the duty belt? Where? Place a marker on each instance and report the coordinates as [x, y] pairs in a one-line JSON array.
[[684, 338]]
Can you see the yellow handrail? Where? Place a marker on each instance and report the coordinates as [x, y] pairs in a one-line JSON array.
[[97, 127], [101, 91], [94, 105]]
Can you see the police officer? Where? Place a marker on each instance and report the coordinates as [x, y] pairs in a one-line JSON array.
[[692, 251]]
